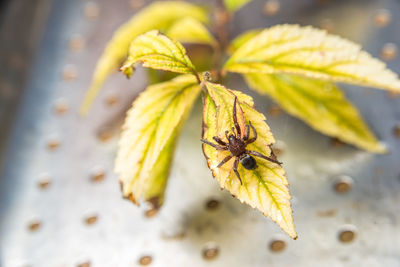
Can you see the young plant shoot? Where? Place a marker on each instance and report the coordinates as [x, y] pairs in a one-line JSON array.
[[294, 65]]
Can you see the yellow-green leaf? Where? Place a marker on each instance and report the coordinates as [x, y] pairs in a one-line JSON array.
[[149, 133], [234, 5], [264, 188], [320, 104], [159, 15], [242, 39], [313, 53], [190, 30], [157, 51]]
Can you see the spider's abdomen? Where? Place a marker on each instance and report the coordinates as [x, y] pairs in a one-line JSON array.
[[248, 162]]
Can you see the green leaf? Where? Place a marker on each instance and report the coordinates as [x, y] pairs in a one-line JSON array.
[[235, 5], [320, 104], [159, 15], [242, 39], [157, 51], [313, 53], [147, 142], [265, 187], [190, 30]]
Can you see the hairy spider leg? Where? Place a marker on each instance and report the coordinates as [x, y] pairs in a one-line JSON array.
[[226, 135], [219, 141], [235, 166], [225, 160], [217, 147], [251, 140], [239, 134], [247, 134], [258, 154], [234, 133], [272, 155]]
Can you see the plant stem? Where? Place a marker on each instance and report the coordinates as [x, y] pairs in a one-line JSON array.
[[222, 17]]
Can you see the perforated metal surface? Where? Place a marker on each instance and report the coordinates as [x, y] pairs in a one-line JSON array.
[[61, 203]]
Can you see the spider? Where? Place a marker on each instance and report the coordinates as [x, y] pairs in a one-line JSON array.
[[237, 147]]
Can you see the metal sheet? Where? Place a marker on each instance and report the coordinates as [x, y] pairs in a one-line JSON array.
[[60, 200]]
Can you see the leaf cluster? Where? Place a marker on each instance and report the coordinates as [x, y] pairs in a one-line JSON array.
[[296, 66]]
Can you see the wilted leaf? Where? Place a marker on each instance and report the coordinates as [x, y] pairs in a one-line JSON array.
[[313, 53], [148, 138], [320, 104], [190, 30], [157, 51], [264, 188], [242, 39], [234, 5], [159, 15]]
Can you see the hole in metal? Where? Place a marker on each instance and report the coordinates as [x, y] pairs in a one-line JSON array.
[[336, 142], [274, 111], [61, 107], [396, 131], [271, 7], [104, 135], [327, 25], [92, 10], [145, 260], [150, 213], [34, 225], [112, 100], [69, 73], [53, 143], [279, 148], [76, 43], [91, 219], [136, 4], [393, 94], [17, 61], [347, 235], [210, 251], [98, 174], [84, 264], [44, 181], [212, 204], [382, 18], [389, 51], [326, 213], [277, 245], [343, 184]]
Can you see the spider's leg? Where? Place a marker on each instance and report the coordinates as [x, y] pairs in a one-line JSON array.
[[247, 135], [239, 134], [235, 166], [217, 147], [251, 140], [233, 131], [258, 154], [219, 141], [272, 156], [226, 135], [225, 160]]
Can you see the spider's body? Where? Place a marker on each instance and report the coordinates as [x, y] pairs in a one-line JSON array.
[[237, 144]]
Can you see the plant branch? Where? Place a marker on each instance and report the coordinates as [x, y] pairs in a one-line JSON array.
[[222, 17]]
